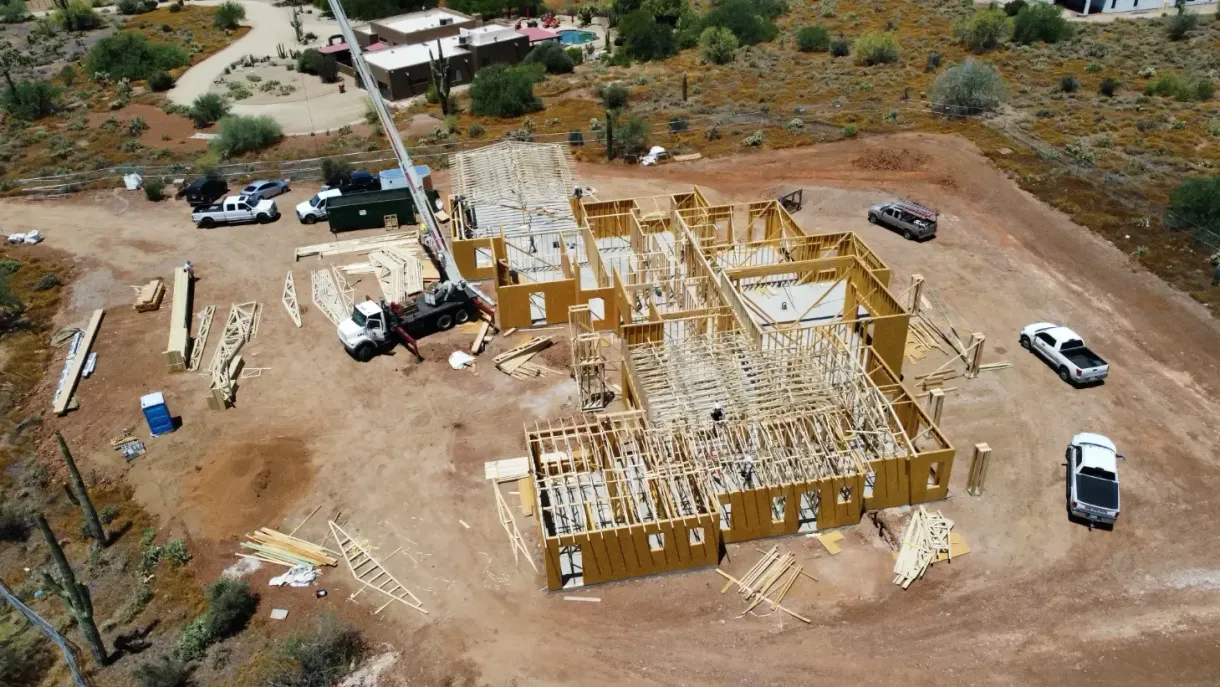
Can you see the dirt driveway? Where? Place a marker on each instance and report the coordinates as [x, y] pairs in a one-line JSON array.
[[398, 447]]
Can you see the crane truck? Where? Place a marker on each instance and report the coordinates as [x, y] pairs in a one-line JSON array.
[[376, 326]]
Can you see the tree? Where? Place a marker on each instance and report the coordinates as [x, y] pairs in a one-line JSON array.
[[208, 108], [1195, 205], [632, 135], [441, 81], [875, 48], [334, 168], [1012, 8], [502, 91], [1040, 22], [31, 100], [82, 494], [553, 57], [646, 39], [160, 81], [1180, 25], [74, 595], [742, 18], [228, 15], [717, 45], [76, 15], [667, 11], [984, 31], [130, 55], [241, 134], [613, 95], [13, 61], [967, 89], [812, 39], [13, 11]]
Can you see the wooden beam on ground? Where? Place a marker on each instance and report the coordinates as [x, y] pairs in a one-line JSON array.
[[60, 403], [179, 323], [480, 338], [978, 469]]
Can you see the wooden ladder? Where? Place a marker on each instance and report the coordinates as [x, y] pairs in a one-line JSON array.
[[369, 572]]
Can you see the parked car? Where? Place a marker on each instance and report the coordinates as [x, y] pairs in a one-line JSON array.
[[356, 182], [266, 189], [316, 208], [1092, 489], [236, 210], [1064, 350], [203, 191], [912, 220]]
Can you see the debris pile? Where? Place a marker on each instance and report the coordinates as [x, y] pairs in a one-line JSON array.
[[270, 546], [769, 580], [925, 539], [516, 362]]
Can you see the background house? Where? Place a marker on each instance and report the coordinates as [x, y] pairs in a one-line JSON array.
[[403, 71]]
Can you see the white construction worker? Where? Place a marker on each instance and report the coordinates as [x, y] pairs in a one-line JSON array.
[[747, 469], [187, 267], [717, 413]]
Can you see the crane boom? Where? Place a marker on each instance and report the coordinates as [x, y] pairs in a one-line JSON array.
[[432, 228]]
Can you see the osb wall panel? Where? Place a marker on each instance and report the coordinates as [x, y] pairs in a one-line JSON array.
[[751, 514], [919, 468], [624, 552], [464, 256], [891, 486], [643, 332], [609, 307], [514, 302]]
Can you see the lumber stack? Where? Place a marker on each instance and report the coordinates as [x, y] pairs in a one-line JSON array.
[[148, 297], [275, 547], [921, 339], [924, 540], [75, 364], [516, 362], [364, 245], [176, 352], [768, 581], [506, 469]]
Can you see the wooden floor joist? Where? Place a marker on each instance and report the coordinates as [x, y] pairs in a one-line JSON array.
[[59, 404], [291, 304], [176, 353], [200, 342], [370, 574]]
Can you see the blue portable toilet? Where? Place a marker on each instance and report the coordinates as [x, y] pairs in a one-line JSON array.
[[157, 414]]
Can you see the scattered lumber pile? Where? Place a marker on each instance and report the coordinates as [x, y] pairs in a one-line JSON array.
[[148, 297], [364, 245], [768, 581], [925, 539], [921, 340], [75, 364], [516, 362], [176, 354], [275, 547], [936, 379]]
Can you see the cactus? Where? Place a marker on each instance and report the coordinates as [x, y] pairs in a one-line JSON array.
[[440, 77], [683, 86], [93, 522], [609, 135], [74, 595]]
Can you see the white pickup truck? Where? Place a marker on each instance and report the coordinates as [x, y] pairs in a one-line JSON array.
[[235, 210], [1064, 350], [1093, 479]]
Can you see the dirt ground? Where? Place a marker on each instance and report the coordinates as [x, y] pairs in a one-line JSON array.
[[397, 447]]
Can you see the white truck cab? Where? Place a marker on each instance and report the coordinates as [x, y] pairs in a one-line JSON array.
[[314, 209]]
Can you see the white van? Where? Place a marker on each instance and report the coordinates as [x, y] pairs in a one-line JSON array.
[[314, 209]]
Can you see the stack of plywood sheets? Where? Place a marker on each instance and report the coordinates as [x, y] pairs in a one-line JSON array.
[[148, 297], [271, 546], [925, 539]]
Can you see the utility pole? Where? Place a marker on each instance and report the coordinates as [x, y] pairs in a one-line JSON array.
[[78, 680], [74, 595], [82, 494]]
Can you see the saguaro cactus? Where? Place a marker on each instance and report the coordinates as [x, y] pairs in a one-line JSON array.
[[82, 494], [440, 76], [75, 595], [683, 86]]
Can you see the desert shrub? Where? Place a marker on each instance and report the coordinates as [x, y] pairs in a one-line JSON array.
[[840, 47], [13, 11], [1109, 86], [794, 125], [228, 15], [644, 38], [743, 18], [632, 135], [967, 89], [230, 607], [14, 524], [317, 658], [1040, 22], [553, 57], [577, 55], [753, 140], [208, 108], [68, 75], [1195, 205], [812, 39], [136, 6], [136, 126], [78, 15], [31, 100], [849, 130], [1012, 8], [130, 55], [335, 168], [240, 135], [161, 81], [613, 95], [502, 91], [109, 512], [1069, 83], [476, 130], [875, 48], [175, 8], [154, 189], [984, 31], [1179, 26], [175, 552], [717, 45], [47, 282], [1182, 88], [933, 61], [678, 124], [166, 671], [310, 61], [328, 70], [23, 662]]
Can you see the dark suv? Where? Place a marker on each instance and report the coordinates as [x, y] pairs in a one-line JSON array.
[[356, 182], [203, 191]]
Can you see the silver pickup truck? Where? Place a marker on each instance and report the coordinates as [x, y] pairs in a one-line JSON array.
[[235, 210], [1064, 350], [1093, 479]]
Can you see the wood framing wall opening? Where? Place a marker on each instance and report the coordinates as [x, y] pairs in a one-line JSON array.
[[807, 515]]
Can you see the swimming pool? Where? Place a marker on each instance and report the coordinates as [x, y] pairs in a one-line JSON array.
[[576, 36]]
